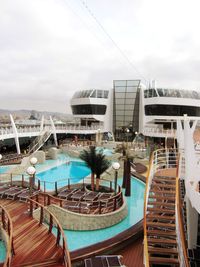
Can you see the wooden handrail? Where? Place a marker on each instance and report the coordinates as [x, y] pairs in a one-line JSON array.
[[180, 217], [146, 253], [8, 226], [60, 233]]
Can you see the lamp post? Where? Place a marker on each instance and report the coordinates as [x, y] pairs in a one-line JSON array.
[[116, 167], [31, 172], [127, 133], [33, 162]]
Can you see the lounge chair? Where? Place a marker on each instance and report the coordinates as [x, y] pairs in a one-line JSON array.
[[104, 261], [14, 192], [26, 194], [4, 189], [66, 193], [91, 196], [71, 205], [104, 196], [78, 196]]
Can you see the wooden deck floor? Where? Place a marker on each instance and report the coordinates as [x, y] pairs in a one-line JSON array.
[[133, 254], [32, 243]]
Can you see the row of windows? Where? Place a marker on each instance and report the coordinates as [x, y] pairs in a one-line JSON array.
[[91, 93], [171, 110], [89, 109], [161, 92]]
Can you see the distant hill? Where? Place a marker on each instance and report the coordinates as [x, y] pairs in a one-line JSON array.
[[26, 114]]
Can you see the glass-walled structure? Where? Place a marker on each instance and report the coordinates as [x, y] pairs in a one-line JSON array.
[[125, 108]]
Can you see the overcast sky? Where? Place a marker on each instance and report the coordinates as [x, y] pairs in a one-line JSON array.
[[51, 48]]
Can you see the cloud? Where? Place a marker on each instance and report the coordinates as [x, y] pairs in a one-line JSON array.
[[51, 48]]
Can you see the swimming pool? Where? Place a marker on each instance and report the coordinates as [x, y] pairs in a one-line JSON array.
[[4, 169], [73, 170], [77, 170], [80, 239]]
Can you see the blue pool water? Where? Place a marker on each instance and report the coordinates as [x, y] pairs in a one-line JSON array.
[[4, 169], [80, 239], [74, 170], [3, 251]]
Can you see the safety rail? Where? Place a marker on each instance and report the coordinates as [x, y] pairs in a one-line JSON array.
[[39, 141], [108, 205], [8, 227], [12, 158], [52, 221], [146, 195], [24, 179], [179, 224], [161, 160]]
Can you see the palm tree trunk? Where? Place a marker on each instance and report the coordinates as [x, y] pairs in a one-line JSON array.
[[92, 181], [97, 183], [128, 180], [124, 174]]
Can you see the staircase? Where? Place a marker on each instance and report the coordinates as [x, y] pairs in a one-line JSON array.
[[160, 222], [39, 141]]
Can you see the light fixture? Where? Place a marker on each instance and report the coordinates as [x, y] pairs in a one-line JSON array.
[[116, 166], [33, 161], [1, 156], [31, 170]]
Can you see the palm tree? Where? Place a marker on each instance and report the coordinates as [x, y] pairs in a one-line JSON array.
[[89, 156], [97, 162], [127, 157], [102, 164]]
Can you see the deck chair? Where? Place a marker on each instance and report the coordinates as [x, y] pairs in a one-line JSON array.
[[25, 195], [14, 192], [78, 196], [66, 193], [4, 189], [112, 260], [71, 205], [104, 261], [91, 196], [104, 196]]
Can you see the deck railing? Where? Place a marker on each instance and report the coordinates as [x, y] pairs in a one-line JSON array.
[[8, 227], [100, 206], [183, 257], [46, 215]]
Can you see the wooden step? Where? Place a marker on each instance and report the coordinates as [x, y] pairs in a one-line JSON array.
[[161, 210], [163, 241], [163, 187], [167, 251], [161, 233], [160, 217], [161, 197], [164, 180], [157, 203], [159, 224], [165, 177], [168, 192], [163, 261]]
